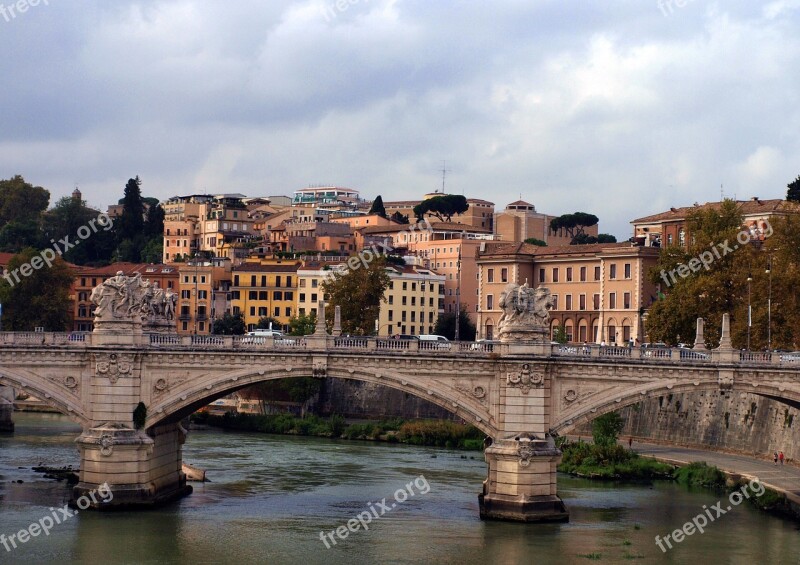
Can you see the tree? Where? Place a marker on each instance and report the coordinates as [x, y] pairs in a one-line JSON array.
[[606, 428], [303, 324], [583, 239], [706, 293], [560, 334], [131, 236], [230, 324], [573, 224], [154, 224], [793, 194], [66, 218], [40, 299], [359, 292], [399, 218], [534, 241], [378, 208], [446, 326], [21, 201], [442, 207]]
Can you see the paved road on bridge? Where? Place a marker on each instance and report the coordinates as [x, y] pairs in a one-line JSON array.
[[785, 477]]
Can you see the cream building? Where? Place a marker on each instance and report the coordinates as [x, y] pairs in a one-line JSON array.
[[413, 301]]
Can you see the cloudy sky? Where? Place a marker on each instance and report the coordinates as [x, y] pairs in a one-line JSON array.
[[619, 108]]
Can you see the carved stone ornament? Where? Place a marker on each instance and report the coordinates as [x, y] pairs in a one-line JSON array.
[[526, 313], [469, 387], [114, 366], [525, 453], [726, 380], [524, 379], [319, 370], [106, 445], [570, 396]]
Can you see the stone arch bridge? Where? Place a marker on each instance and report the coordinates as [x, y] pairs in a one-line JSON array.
[[519, 394]]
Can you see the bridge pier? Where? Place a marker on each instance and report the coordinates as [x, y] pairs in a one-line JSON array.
[[140, 469], [6, 409], [521, 485]]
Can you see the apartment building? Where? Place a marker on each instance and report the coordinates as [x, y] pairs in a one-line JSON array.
[[413, 301], [265, 288], [310, 278], [600, 290], [214, 224], [203, 295], [480, 213]]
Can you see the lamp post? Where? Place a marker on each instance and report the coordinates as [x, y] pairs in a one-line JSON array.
[[769, 306], [749, 310]]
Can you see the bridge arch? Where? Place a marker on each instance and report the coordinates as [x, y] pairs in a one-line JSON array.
[[48, 392], [619, 398], [186, 401]]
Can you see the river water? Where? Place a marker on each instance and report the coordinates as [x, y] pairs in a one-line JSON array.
[[272, 496]]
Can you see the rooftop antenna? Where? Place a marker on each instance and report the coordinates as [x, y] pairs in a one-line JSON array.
[[445, 170], [721, 193]]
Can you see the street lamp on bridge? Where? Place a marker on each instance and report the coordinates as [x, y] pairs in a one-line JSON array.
[[749, 310]]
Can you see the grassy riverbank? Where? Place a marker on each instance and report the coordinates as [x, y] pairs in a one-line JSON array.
[[436, 433], [609, 461]]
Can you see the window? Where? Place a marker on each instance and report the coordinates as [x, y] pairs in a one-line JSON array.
[[597, 273], [404, 302], [555, 302], [302, 283], [252, 295], [596, 302], [413, 300], [313, 297], [612, 272], [391, 299], [202, 295], [490, 275], [413, 287], [277, 311], [391, 316], [669, 239], [405, 285], [541, 275], [252, 310], [682, 237], [626, 300], [288, 281], [263, 295], [288, 311], [277, 295], [303, 297], [612, 300], [203, 279], [235, 280], [568, 301], [489, 302], [569, 274], [582, 302], [555, 274], [503, 275], [627, 270], [186, 294], [413, 317], [288, 295], [583, 274]]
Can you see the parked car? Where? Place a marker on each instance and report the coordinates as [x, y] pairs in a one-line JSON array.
[[436, 341], [404, 336], [648, 348], [259, 337]]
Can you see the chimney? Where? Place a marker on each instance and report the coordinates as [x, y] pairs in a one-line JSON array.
[[673, 209], [755, 199]]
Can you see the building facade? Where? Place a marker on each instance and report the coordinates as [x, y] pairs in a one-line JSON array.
[[265, 289]]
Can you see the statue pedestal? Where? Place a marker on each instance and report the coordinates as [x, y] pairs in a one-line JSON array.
[[521, 486], [117, 332], [160, 326]]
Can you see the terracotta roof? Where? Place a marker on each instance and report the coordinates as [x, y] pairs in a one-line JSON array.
[[530, 249], [746, 207], [520, 203], [5, 258], [127, 268]]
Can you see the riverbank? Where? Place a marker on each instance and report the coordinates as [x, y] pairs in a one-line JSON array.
[[614, 462], [433, 433]]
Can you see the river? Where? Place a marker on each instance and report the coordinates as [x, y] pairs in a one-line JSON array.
[[272, 496]]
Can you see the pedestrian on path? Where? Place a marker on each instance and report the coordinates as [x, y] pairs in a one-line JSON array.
[[630, 442], [775, 457], [780, 456]]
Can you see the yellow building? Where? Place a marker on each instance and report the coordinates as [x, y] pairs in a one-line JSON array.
[[267, 288], [309, 280], [413, 301]]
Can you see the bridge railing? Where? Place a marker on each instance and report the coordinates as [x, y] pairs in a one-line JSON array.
[[78, 339], [755, 357]]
